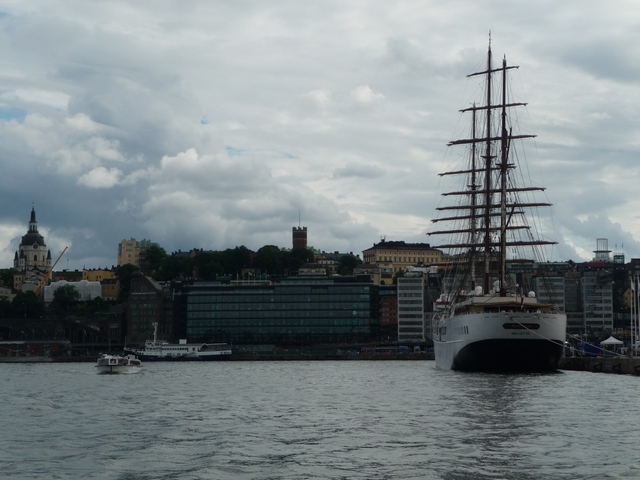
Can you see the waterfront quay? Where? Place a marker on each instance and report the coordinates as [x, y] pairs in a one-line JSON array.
[[249, 358], [616, 365], [620, 365]]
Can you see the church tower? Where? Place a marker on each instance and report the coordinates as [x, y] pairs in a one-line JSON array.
[[32, 252], [299, 237]]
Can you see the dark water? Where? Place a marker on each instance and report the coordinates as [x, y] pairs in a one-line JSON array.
[[315, 420]]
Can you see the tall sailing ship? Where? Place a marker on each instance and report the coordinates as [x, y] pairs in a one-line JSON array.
[[490, 317]]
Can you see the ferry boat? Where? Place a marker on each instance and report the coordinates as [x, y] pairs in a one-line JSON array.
[[118, 364], [490, 317], [155, 350]]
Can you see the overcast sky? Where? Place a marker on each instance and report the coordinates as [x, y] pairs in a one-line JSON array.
[[214, 124]]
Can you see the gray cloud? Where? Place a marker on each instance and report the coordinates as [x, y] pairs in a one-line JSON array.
[[214, 125]]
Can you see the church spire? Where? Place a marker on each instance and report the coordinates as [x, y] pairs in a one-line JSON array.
[[33, 225]]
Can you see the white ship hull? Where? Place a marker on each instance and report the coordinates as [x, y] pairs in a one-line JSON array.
[[182, 352], [160, 351], [494, 342]]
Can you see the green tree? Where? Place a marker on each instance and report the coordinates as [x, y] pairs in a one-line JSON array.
[[26, 305], [175, 268], [399, 273], [5, 308], [269, 260], [6, 277], [347, 264], [155, 259], [124, 273], [299, 256], [234, 260], [208, 265], [97, 306], [64, 299]]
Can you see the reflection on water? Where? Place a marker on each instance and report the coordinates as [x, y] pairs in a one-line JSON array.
[[315, 420]]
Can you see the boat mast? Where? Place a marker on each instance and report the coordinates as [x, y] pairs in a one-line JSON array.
[[487, 182], [474, 202], [503, 183]]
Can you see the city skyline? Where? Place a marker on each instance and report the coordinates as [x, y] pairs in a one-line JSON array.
[[214, 126]]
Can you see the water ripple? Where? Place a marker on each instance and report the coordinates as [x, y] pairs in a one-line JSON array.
[[315, 420]]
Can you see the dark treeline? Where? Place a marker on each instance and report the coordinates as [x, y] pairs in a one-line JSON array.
[[66, 302], [235, 262]]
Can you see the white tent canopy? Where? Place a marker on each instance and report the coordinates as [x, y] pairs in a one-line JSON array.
[[611, 341]]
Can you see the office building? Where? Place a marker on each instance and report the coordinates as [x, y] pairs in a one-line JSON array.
[[411, 311], [296, 311]]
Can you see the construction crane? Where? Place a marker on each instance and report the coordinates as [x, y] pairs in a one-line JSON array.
[[46, 276]]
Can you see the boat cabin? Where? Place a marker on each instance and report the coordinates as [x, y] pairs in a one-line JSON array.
[[502, 304]]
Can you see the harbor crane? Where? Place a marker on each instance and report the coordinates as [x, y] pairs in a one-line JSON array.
[[46, 276]]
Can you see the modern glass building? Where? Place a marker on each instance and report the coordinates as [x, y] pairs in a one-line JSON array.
[[598, 301], [295, 311], [411, 300]]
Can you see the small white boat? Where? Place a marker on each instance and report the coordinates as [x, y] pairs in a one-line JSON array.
[[118, 364]]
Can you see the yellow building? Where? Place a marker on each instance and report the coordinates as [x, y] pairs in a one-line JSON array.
[[110, 288], [128, 252], [97, 275], [380, 273], [109, 283], [397, 256], [132, 251]]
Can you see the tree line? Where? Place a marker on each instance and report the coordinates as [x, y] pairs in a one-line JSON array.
[[268, 260]]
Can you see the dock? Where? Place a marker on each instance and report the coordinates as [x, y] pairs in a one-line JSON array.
[[620, 365]]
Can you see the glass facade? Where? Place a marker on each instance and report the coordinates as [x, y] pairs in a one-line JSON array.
[[289, 312], [598, 302], [411, 309]]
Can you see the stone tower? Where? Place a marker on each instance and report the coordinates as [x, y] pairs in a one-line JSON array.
[[299, 235]]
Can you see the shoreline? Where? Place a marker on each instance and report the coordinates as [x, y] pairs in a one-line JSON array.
[[236, 358], [615, 365]]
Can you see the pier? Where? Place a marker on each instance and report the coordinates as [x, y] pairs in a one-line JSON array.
[[620, 365]]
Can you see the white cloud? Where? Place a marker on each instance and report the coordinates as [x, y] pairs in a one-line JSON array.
[[365, 95], [57, 100], [321, 98], [100, 177]]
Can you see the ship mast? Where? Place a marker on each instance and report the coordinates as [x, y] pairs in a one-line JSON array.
[[487, 182], [474, 200], [504, 147], [492, 203]]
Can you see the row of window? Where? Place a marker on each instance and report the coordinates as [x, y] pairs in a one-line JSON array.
[[289, 289], [195, 332], [407, 336], [415, 260], [254, 298], [143, 313], [142, 306], [298, 322], [261, 315], [225, 307]]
